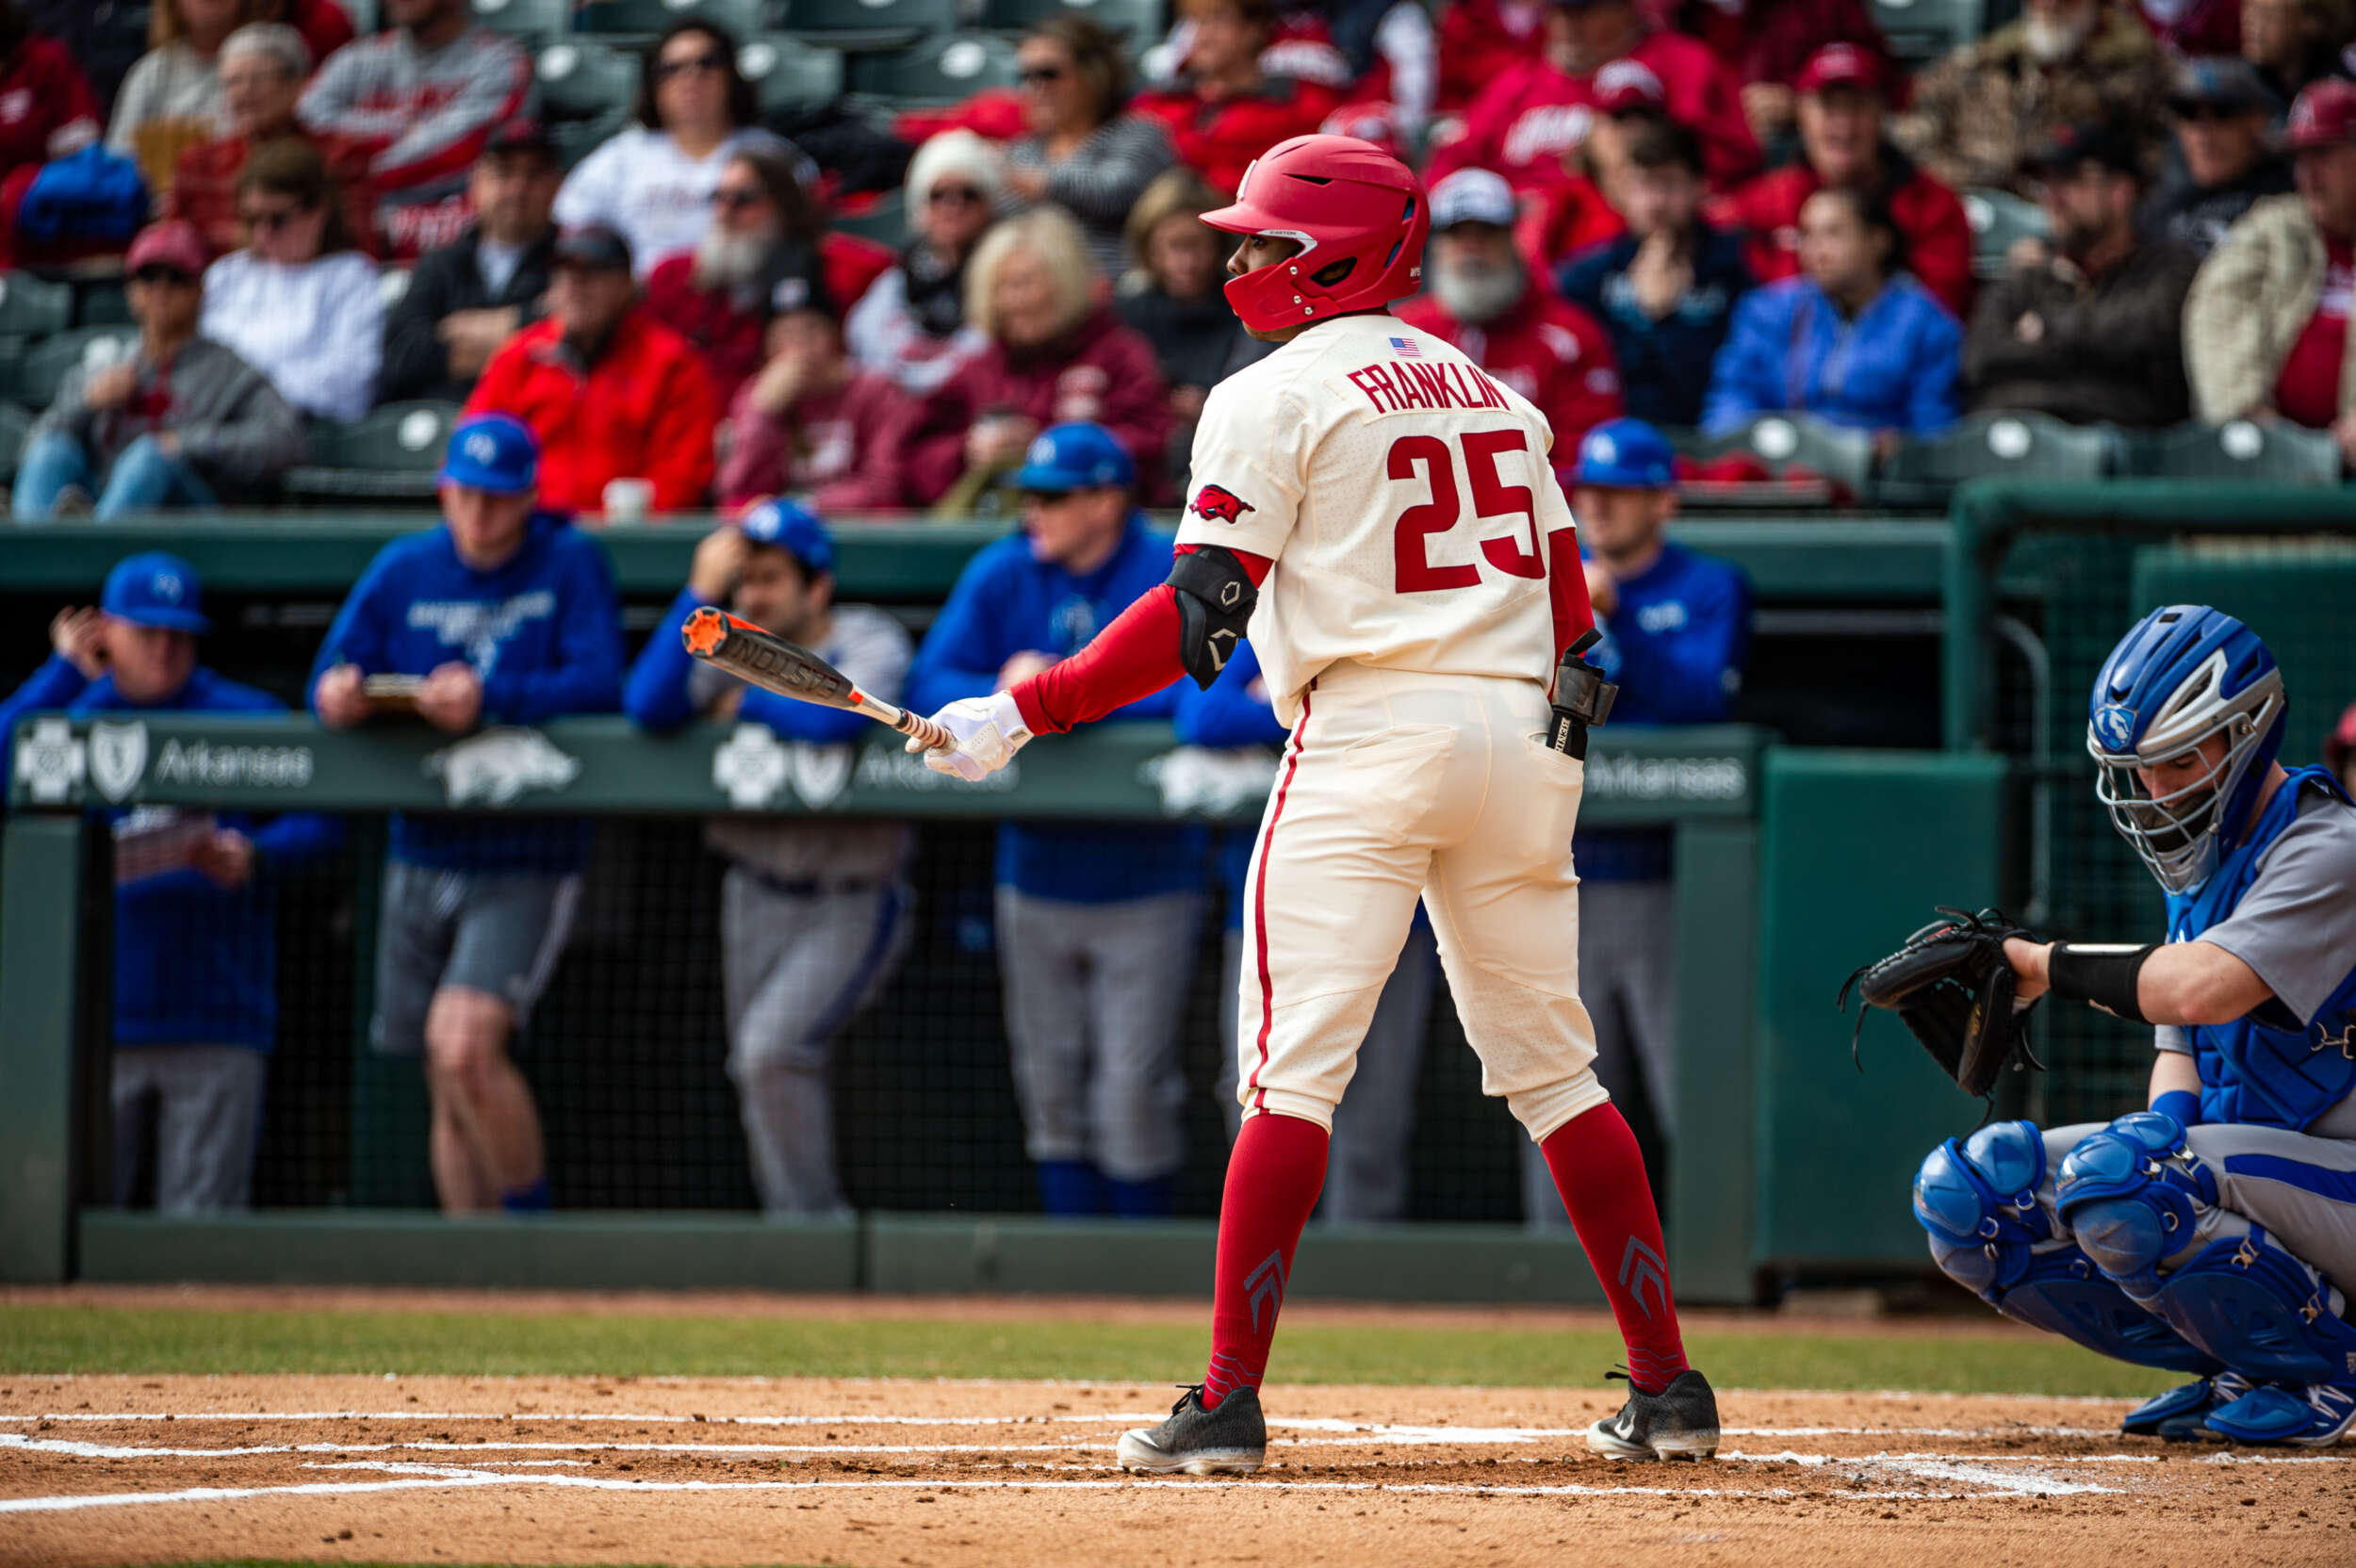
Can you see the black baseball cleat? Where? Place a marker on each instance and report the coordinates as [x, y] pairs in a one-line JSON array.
[[1680, 1421], [1231, 1440]]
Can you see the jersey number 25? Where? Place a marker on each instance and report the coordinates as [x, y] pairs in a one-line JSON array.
[[1491, 497]]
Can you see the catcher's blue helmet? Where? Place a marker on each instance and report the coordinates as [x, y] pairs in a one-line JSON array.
[[2185, 673]]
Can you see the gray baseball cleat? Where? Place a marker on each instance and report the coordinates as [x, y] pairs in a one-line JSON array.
[[1680, 1421], [1231, 1440]]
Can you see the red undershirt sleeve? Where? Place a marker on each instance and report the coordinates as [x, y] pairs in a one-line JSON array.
[[1134, 657], [1567, 590]]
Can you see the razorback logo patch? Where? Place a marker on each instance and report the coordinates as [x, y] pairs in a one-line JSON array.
[[1213, 501]]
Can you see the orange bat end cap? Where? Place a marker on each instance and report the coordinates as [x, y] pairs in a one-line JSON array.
[[705, 631]]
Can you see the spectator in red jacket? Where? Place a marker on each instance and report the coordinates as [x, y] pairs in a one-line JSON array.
[[1522, 123], [759, 258], [1480, 299], [1225, 111], [46, 109], [1843, 106], [1054, 355], [609, 392], [262, 68], [1579, 206], [812, 423], [1767, 44], [1483, 39]]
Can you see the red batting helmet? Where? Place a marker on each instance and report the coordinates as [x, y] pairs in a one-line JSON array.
[[1359, 217]]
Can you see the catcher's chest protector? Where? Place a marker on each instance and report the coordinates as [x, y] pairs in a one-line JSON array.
[[2262, 1067]]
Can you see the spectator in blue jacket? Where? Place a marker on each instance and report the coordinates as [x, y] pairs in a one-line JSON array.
[[1095, 923], [1853, 340], [1665, 290], [1677, 628], [813, 915], [1366, 1170], [503, 616], [196, 902]]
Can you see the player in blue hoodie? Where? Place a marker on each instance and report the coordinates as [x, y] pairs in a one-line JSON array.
[[1095, 923], [505, 615], [196, 902]]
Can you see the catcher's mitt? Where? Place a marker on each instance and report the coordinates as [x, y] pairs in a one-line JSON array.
[[1953, 986]]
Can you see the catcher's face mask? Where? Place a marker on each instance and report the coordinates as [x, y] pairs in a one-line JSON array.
[[2172, 813]]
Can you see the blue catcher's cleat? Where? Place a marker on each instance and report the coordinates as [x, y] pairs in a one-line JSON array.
[[2311, 1417], [2175, 1416]]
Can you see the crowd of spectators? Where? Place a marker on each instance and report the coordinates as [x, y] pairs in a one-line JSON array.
[[1691, 213]]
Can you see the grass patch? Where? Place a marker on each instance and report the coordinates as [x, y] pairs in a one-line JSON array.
[[85, 1339]]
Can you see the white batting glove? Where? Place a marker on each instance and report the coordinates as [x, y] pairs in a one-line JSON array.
[[988, 731]]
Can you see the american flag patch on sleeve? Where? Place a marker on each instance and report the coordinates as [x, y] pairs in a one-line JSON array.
[[1406, 348]]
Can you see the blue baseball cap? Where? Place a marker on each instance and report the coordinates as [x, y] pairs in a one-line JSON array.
[[1075, 456], [492, 452], [793, 529], [159, 590], [1625, 454]]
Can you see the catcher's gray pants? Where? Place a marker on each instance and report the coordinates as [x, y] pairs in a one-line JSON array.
[[203, 1106], [1627, 956], [1093, 997], [796, 966], [1365, 1164]]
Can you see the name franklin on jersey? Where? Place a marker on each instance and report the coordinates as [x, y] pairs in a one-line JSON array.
[[1397, 385]]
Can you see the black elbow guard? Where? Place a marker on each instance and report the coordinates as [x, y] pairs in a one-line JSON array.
[[1215, 600]]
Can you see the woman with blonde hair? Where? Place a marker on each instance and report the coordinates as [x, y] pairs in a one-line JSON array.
[[1086, 152], [1055, 353], [172, 100]]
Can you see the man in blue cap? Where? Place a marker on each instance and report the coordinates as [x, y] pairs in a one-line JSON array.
[[196, 907], [1677, 626], [505, 615], [813, 915], [1096, 925]]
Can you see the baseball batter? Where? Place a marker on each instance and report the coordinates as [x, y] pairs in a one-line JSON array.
[[2214, 1233], [1382, 517]]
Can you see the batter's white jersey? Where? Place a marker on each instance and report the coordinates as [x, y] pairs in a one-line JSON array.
[[1405, 495]]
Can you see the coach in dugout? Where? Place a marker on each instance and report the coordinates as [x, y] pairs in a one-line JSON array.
[[813, 915], [196, 902], [1096, 925], [503, 616], [1677, 628]]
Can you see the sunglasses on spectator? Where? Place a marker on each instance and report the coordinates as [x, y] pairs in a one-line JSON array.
[[668, 69], [273, 220], [737, 198], [962, 195], [1040, 76], [169, 275]]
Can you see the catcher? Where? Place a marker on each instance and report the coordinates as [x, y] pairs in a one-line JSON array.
[[2214, 1233]]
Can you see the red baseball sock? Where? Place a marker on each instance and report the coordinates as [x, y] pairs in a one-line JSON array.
[[1600, 1174], [1274, 1174]]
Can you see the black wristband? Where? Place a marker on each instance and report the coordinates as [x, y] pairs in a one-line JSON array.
[[2103, 973]]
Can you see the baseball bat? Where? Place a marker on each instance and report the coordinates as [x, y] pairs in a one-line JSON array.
[[769, 661]]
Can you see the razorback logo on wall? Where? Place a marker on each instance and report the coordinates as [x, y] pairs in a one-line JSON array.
[[1213, 501]]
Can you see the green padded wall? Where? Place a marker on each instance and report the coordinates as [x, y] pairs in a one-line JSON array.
[[1858, 847]]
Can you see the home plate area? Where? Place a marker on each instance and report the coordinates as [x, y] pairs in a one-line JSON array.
[[550, 1470]]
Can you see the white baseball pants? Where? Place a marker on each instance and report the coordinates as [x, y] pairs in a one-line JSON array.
[[1397, 784]]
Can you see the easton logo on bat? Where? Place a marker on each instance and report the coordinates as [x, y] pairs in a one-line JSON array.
[[1213, 501]]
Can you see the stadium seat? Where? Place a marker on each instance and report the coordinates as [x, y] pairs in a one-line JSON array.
[[532, 22], [2241, 449], [1997, 218], [586, 82], [642, 20], [15, 425], [1997, 446], [574, 140], [790, 74], [363, 15], [861, 25], [33, 307], [1784, 442], [394, 452], [100, 303], [46, 363], [1921, 31], [391, 284], [1138, 21], [944, 70], [887, 222]]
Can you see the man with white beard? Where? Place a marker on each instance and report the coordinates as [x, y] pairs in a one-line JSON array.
[[757, 260], [1976, 113], [1480, 301]]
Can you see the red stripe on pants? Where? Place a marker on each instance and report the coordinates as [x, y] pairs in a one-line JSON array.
[[1259, 896]]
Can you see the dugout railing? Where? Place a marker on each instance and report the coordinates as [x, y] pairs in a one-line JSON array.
[[1703, 783]]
